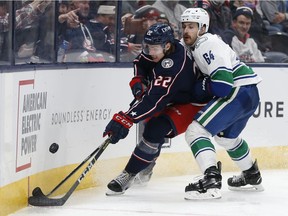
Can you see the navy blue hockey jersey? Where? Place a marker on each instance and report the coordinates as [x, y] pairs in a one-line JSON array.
[[171, 81]]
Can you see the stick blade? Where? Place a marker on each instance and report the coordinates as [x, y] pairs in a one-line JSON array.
[[45, 201]]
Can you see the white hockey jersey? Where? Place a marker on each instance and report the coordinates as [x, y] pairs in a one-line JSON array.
[[215, 58]]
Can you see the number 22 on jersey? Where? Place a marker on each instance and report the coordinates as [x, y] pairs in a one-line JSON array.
[[163, 81]]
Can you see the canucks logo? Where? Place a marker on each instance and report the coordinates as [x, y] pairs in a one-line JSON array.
[[167, 63]]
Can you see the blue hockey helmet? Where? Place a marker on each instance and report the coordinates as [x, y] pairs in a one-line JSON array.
[[159, 33]]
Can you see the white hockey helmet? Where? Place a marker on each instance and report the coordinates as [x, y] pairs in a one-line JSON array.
[[198, 15]]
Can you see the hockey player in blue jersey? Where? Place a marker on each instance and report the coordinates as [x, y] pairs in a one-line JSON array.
[[166, 105], [234, 87]]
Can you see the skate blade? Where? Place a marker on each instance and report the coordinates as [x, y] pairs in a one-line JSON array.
[[140, 182], [113, 193], [249, 188], [213, 193]]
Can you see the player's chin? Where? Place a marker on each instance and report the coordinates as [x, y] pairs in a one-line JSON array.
[[155, 59], [187, 40]]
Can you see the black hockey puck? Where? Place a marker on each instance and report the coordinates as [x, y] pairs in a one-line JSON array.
[[54, 148]]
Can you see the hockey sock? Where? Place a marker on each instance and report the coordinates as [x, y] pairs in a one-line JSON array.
[[139, 161]]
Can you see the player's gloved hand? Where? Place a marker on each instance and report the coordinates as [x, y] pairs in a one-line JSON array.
[[201, 90], [206, 84], [203, 85], [118, 127], [218, 89], [138, 87]]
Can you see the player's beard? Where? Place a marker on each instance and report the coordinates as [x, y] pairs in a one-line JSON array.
[[188, 40]]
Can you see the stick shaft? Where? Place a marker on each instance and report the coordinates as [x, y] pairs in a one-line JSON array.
[[46, 201], [72, 173]]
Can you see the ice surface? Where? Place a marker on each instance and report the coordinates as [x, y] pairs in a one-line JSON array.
[[165, 196]]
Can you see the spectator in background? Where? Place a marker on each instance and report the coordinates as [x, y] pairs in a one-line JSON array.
[[143, 18], [173, 10], [89, 37], [4, 28], [129, 6], [135, 28], [30, 34], [64, 7], [80, 11], [220, 15], [260, 34], [30, 13], [234, 4], [258, 29], [164, 19], [275, 15], [187, 3], [239, 39], [74, 34], [68, 24], [101, 28]]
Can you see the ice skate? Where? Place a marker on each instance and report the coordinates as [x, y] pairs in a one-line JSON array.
[[120, 184], [143, 177], [207, 187], [248, 180]]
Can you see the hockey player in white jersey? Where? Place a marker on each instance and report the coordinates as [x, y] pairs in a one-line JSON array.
[[234, 87]]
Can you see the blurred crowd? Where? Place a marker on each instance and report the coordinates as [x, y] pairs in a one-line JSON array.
[[86, 31]]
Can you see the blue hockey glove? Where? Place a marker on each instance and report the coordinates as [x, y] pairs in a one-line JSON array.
[[202, 86], [218, 89], [118, 127], [138, 87], [201, 91], [206, 84]]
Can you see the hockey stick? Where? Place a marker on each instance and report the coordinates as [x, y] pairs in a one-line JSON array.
[[38, 192], [39, 199]]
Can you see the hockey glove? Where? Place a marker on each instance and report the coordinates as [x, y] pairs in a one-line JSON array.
[[118, 127], [138, 87], [203, 85], [206, 84], [218, 89]]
